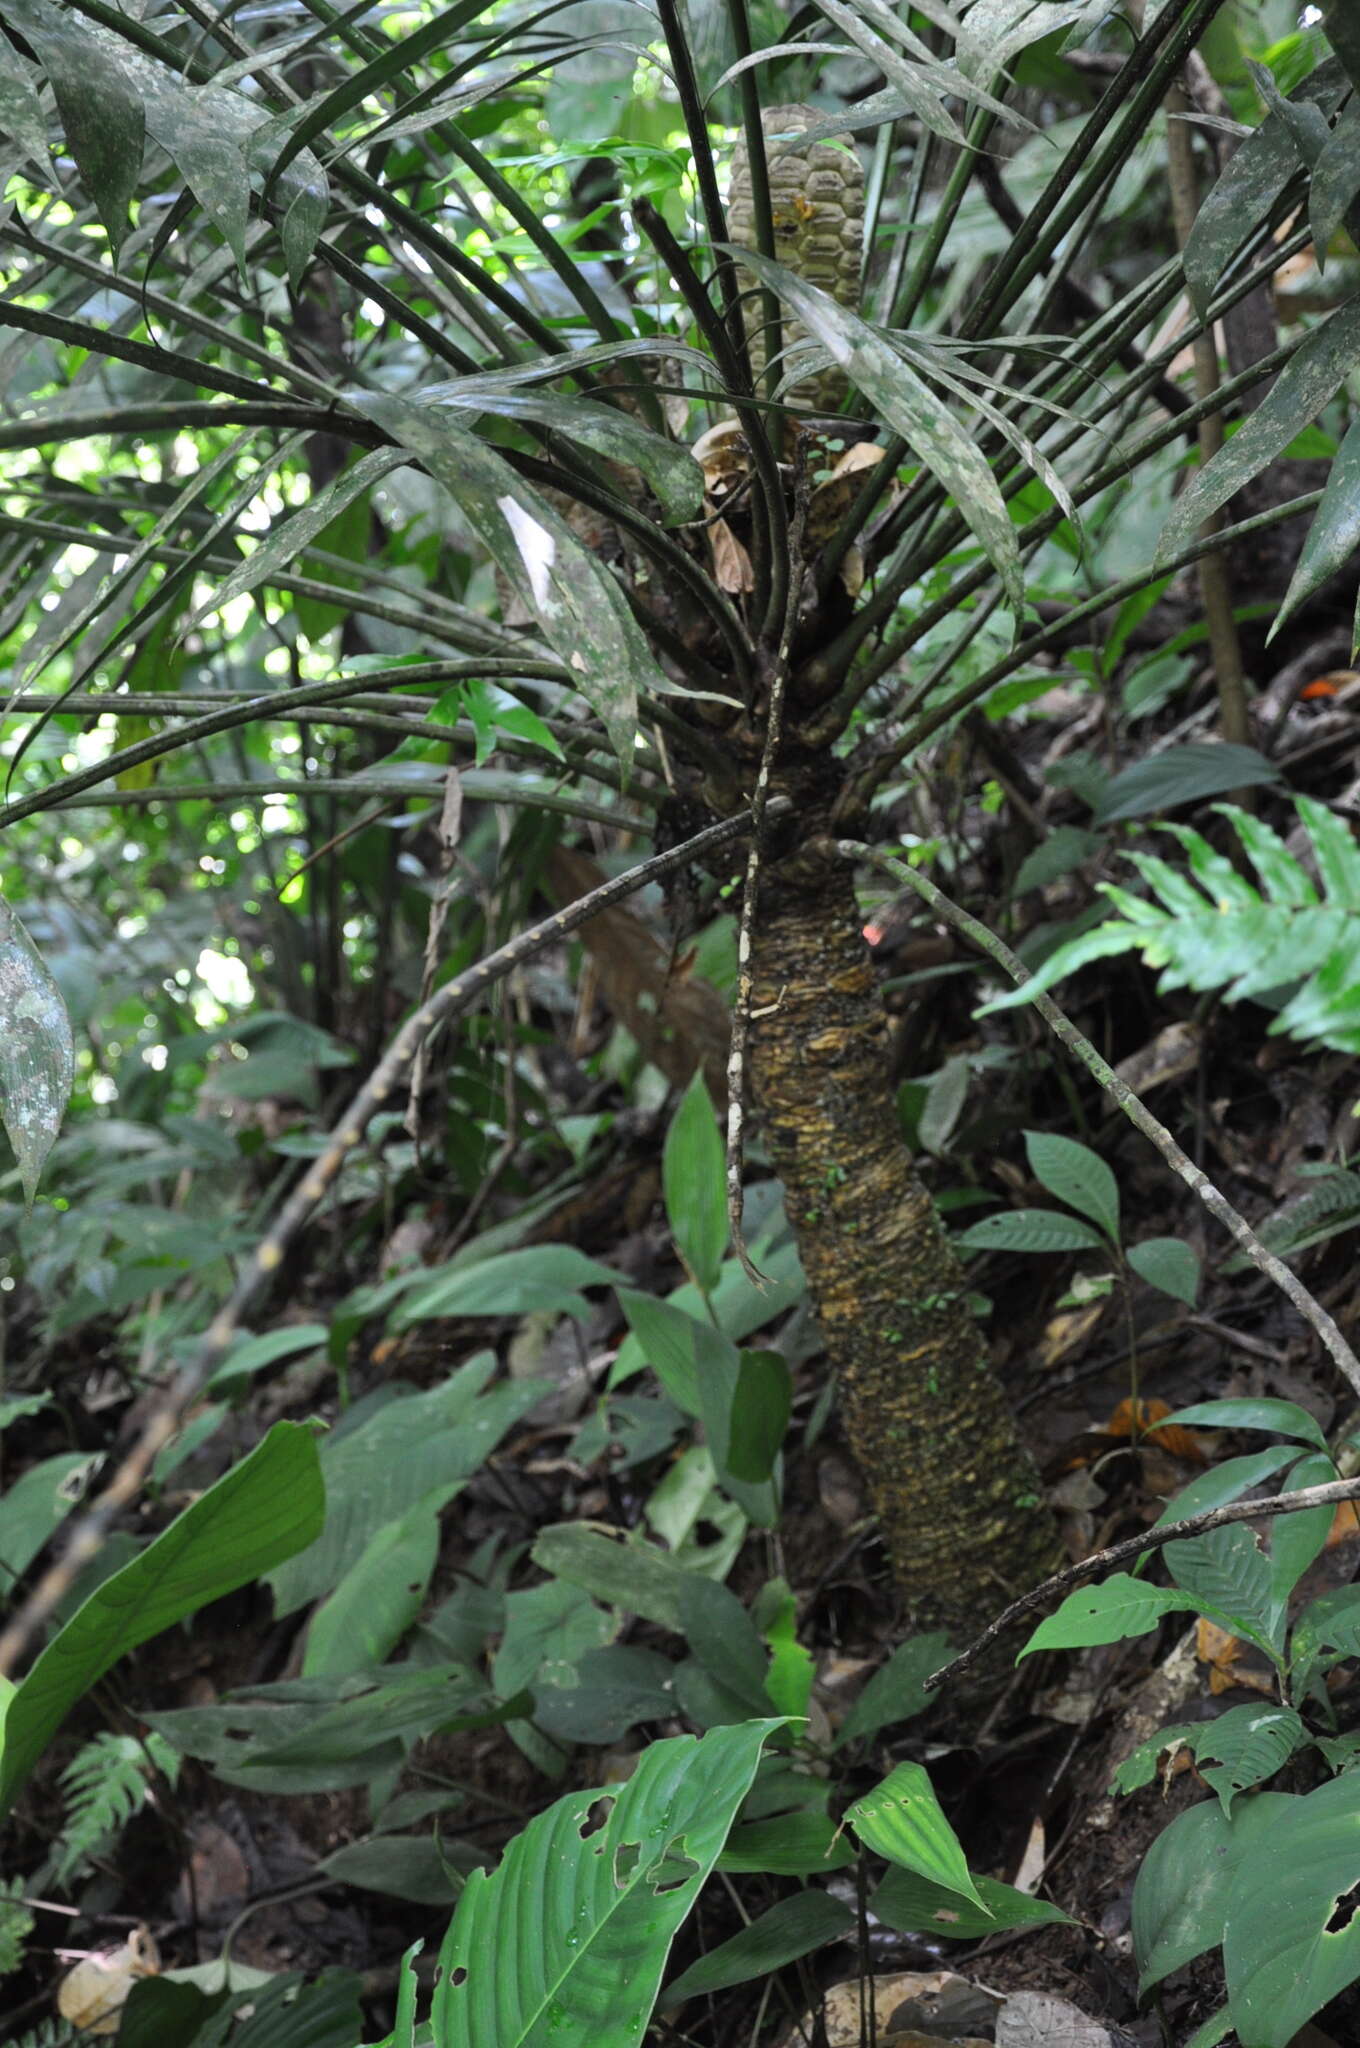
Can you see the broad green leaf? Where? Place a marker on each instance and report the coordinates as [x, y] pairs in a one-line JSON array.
[[37, 1055], [914, 1904], [910, 408], [792, 1673], [723, 1637], [1181, 775], [543, 1276], [616, 1688], [1285, 1418], [791, 1845], [403, 2034], [1169, 1264], [1120, 1606], [1326, 1631], [897, 1692], [1249, 1744], [1182, 1891], [1077, 1176], [580, 608], [1297, 1541], [1335, 182], [566, 1941], [1224, 1482], [547, 1630], [380, 1595], [904, 1821], [693, 1178], [635, 1576], [1139, 1767], [413, 1867], [793, 1927], [381, 1461], [1282, 1963], [1343, 33], [1029, 1230], [34, 1505], [253, 1354], [1305, 384], [1056, 855], [21, 114], [666, 1336], [1335, 532], [761, 1404], [262, 1511], [101, 111], [1227, 1573]]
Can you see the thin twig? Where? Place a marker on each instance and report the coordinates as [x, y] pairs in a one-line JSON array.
[[1132, 1105], [264, 1263], [1334, 1491], [750, 895]]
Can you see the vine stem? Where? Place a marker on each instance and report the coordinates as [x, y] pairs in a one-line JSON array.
[[1335, 1491], [260, 1269], [1134, 1108]]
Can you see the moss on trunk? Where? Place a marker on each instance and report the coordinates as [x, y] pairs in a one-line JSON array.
[[953, 1487]]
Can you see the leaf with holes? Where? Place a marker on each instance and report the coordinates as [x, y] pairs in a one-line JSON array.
[[903, 1820], [1283, 1956], [566, 1941]]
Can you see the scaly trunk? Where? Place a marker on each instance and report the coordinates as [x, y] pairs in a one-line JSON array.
[[953, 1487]]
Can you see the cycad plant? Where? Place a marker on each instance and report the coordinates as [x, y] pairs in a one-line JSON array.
[[764, 355]]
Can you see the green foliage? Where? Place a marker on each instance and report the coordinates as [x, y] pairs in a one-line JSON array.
[[16, 1924], [1213, 929], [104, 1784]]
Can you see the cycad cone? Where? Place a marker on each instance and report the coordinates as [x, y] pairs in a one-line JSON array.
[[817, 202]]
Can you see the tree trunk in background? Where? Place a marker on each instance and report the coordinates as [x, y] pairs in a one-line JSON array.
[[954, 1489]]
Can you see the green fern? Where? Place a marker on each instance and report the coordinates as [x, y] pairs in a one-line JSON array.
[[1213, 929], [47, 2034], [104, 1786], [16, 1924]]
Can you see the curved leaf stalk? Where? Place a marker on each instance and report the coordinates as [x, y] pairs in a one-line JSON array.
[[1134, 1108], [262, 1267]]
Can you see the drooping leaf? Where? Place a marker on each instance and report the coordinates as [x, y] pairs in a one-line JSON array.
[[542, 1276], [1305, 384], [1335, 532], [1285, 1418], [263, 1510], [904, 1821], [21, 114], [693, 1178], [567, 1939], [1183, 1887], [101, 111], [910, 408], [37, 1055], [1224, 1482], [578, 605], [897, 1691], [1297, 1541]]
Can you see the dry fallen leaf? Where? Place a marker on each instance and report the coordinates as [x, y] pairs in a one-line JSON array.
[[92, 1995], [732, 569], [1140, 1418]]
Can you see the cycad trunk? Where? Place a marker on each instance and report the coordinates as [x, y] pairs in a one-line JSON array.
[[954, 1489]]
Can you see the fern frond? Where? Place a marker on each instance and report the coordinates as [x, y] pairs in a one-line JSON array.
[[16, 1924], [1207, 927], [47, 2034], [104, 1786]]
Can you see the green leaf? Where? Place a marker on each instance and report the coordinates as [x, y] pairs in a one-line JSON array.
[[403, 2034], [910, 408], [1061, 851], [917, 1906], [1297, 1541], [1167, 1263], [399, 1867], [262, 1511], [791, 1845], [1227, 1573], [1281, 1961], [1029, 1230], [101, 112], [635, 1576], [903, 1820], [579, 607], [1335, 182], [1181, 775], [724, 1639], [1326, 1631], [253, 1354], [1224, 1482], [21, 114], [380, 1595], [1250, 1743], [1181, 1894], [617, 1687], [793, 1672], [667, 1337], [568, 1938], [37, 1055], [33, 1506], [1285, 1418], [897, 1692], [1077, 1176], [693, 1177], [1305, 384], [793, 1927], [761, 1404], [543, 1276], [1120, 1606], [1335, 532]]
